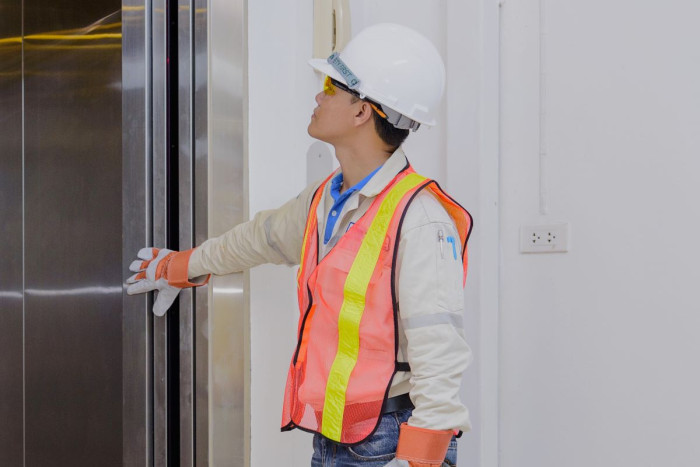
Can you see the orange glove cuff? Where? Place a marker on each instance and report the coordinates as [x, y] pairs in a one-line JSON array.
[[423, 446], [177, 270]]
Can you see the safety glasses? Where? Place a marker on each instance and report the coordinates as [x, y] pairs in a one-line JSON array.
[[330, 86]]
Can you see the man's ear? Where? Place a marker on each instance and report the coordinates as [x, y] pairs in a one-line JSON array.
[[363, 114]]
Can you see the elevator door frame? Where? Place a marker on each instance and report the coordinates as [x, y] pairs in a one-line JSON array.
[[184, 140]]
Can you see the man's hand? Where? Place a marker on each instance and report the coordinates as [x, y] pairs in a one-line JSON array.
[[163, 270], [152, 275]]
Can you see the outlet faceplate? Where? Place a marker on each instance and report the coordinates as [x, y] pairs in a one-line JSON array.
[[544, 238]]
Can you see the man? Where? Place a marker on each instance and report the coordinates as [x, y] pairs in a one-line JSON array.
[[382, 260]]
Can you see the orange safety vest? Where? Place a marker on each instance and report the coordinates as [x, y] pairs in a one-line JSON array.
[[345, 359]]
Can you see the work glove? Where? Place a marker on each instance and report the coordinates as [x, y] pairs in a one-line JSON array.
[[405, 463], [163, 270], [421, 447]]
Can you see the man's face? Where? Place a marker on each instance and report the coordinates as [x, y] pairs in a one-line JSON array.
[[333, 117]]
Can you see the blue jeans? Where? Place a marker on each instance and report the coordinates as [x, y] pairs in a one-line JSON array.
[[376, 451]]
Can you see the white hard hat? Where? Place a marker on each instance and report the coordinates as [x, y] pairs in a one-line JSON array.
[[394, 66]]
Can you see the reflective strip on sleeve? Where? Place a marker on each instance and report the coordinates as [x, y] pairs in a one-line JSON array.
[[430, 320], [353, 306]]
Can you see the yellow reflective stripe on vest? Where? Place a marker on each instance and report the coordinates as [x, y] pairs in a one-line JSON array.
[[353, 306]]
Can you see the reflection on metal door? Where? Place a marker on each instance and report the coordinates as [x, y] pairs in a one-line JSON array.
[[11, 237], [61, 274]]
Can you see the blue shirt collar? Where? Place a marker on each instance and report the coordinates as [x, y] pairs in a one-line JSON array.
[[337, 184]]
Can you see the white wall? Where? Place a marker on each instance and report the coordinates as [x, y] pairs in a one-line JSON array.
[[471, 163], [281, 90], [598, 345]]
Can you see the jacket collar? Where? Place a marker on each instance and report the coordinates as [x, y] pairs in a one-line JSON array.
[[395, 164], [385, 175]]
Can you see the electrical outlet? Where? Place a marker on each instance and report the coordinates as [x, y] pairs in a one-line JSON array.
[[545, 238]]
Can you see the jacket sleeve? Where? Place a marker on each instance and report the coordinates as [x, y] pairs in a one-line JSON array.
[[273, 236], [431, 302]]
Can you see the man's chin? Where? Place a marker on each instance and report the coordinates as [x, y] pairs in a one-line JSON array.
[[314, 134]]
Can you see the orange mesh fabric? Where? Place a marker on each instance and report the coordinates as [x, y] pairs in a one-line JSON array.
[[462, 219], [323, 299]]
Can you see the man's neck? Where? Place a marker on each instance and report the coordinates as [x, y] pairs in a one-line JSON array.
[[358, 163]]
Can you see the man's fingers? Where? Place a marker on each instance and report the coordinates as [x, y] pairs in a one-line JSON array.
[[165, 299], [140, 287], [136, 278], [144, 280], [148, 253], [138, 266]]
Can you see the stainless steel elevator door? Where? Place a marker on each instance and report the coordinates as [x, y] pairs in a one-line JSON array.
[[11, 233], [62, 285]]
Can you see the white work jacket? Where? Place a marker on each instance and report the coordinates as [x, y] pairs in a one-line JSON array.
[[428, 284]]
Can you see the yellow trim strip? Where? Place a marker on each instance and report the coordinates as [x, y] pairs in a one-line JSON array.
[[302, 264], [311, 223], [353, 307]]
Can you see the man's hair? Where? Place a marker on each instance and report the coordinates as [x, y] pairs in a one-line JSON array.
[[392, 136]]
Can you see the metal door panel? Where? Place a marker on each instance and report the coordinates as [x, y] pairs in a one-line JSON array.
[[160, 221], [200, 333], [136, 182], [11, 204], [73, 273], [228, 309], [185, 159], [94, 360]]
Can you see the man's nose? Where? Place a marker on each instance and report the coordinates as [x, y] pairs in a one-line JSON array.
[[319, 96]]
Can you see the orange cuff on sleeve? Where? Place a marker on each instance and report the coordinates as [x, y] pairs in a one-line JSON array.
[[423, 446], [177, 270]]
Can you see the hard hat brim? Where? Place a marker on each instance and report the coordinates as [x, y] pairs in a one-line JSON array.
[[322, 65]]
